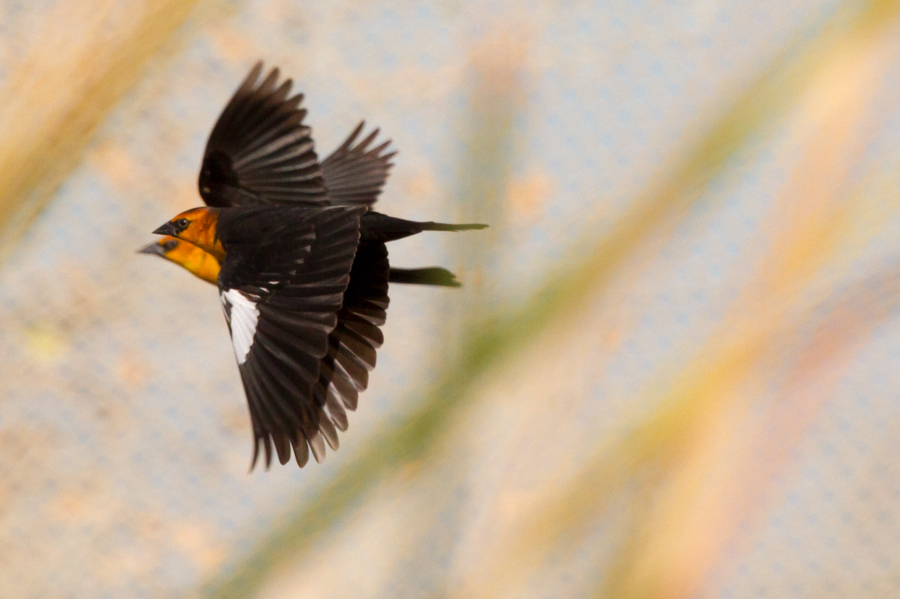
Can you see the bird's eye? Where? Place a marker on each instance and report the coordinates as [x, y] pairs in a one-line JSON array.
[[170, 245], [181, 224]]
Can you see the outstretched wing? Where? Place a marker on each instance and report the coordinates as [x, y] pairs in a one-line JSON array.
[[282, 286], [344, 371], [259, 151], [355, 174]]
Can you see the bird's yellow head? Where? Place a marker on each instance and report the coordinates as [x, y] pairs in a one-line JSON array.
[[187, 255], [198, 227]]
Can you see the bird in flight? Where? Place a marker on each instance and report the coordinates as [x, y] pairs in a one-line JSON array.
[[300, 261]]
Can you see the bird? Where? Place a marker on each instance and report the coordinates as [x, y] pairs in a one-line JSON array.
[[300, 261]]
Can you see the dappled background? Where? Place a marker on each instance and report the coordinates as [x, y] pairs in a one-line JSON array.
[[672, 371]]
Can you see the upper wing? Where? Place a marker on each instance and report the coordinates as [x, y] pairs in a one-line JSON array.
[[259, 151], [344, 370], [354, 175], [281, 294]]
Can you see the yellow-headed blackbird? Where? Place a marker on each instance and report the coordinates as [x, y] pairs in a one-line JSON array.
[[302, 272]]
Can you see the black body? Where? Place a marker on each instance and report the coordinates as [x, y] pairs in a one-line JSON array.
[[306, 264]]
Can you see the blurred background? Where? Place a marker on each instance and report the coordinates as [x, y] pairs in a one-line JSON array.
[[672, 371]]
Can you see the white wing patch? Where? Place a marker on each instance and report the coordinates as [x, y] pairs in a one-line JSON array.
[[242, 315]]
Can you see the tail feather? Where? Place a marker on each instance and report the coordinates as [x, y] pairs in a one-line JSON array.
[[440, 277], [432, 226], [380, 227]]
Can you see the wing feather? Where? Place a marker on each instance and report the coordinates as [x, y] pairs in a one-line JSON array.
[[355, 175], [352, 345], [259, 151], [296, 274]]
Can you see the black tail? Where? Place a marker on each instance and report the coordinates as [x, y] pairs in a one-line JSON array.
[[432, 226], [435, 275], [380, 227]]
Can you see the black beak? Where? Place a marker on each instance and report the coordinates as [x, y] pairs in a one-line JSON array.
[[154, 249], [166, 229]]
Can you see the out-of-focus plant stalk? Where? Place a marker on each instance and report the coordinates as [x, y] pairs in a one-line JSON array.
[[707, 495], [73, 74], [676, 543]]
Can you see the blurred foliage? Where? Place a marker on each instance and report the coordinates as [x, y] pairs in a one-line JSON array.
[[61, 91], [681, 453]]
